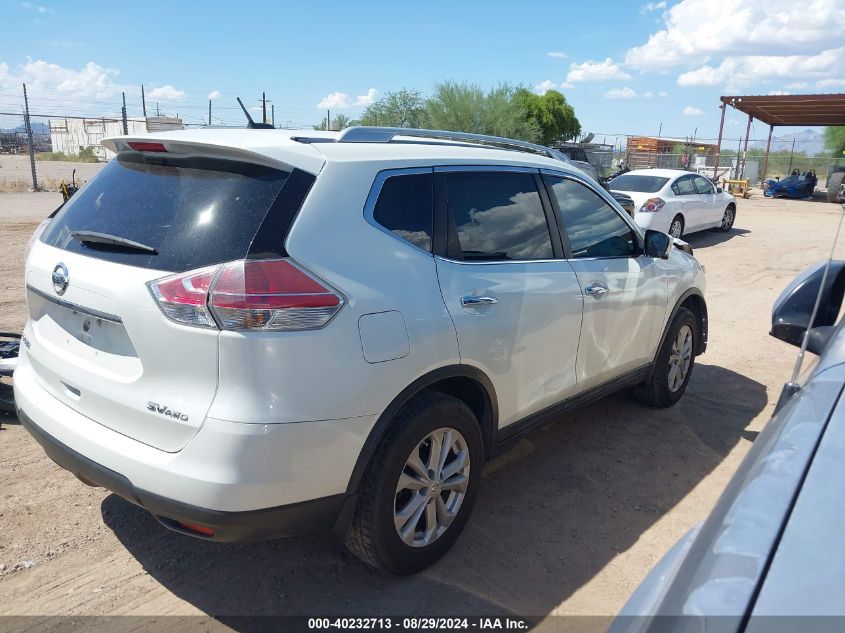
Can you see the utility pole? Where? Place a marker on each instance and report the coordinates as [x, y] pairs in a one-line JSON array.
[[123, 112], [209, 111], [28, 126], [264, 107], [660, 129], [791, 152], [157, 112], [328, 120], [143, 102], [273, 115]]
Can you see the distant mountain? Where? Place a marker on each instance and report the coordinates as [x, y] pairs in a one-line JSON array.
[[38, 129], [810, 142]]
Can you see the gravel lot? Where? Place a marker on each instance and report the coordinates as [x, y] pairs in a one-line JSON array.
[[569, 522]]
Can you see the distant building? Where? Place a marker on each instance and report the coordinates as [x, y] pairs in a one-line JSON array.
[[72, 135], [670, 153]]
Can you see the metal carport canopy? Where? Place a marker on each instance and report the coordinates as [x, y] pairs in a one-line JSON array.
[[826, 109], [782, 110]]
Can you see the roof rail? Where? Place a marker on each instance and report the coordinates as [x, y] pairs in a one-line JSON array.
[[366, 134]]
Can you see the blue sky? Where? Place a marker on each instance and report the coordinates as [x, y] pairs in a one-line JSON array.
[[626, 67]]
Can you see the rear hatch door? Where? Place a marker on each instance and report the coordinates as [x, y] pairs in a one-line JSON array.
[[98, 340]]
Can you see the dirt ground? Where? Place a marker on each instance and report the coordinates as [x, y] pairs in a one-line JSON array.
[[569, 522]]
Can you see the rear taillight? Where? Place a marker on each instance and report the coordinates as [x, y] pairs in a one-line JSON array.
[[652, 205], [183, 297], [248, 295]]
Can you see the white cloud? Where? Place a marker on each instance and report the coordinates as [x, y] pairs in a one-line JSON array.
[[51, 81], [778, 93], [566, 84], [797, 85], [166, 93], [830, 83], [691, 111], [663, 93], [342, 101], [214, 94], [648, 95], [37, 8], [694, 31], [543, 87], [738, 72], [653, 6], [620, 93], [367, 99], [557, 54], [596, 71]]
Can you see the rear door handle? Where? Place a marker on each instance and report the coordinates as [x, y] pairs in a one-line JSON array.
[[596, 290], [473, 301]]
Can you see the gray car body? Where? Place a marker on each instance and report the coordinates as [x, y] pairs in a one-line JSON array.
[[773, 544]]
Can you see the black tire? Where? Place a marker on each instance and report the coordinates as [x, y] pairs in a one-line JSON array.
[[678, 218], [727, 222], [656, 391], [372, 536], [7, 399], [833, 185]]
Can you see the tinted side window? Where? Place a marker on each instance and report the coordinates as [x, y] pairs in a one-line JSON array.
[[405, 207], [498, 216], [594, 228], [683, 186], [702, 185]]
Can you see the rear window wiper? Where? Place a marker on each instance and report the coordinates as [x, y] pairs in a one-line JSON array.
[[92, 237]]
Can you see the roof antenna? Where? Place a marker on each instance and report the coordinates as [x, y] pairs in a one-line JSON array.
[[250, 123]]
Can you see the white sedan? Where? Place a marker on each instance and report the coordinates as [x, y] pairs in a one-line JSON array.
[[676, 202]]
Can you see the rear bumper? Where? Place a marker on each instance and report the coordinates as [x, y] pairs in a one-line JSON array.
[[288, 520], [244, 481]]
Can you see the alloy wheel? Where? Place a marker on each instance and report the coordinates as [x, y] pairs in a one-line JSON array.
[[431, 487], [676, 229], [728, 219], [680, 358]]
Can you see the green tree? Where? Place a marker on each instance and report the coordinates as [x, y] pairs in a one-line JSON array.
[[464, 107], [405, 108], [338, 122], [555, 117], [834, 139]]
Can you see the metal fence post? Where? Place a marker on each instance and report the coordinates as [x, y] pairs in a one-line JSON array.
[[28, 127], [125, 124]]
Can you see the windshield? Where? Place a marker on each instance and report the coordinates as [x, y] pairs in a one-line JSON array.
[[188, 213], [637, 183]]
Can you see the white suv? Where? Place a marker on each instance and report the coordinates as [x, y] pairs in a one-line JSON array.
[[253, 334]]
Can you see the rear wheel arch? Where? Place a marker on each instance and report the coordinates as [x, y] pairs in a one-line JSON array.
[[464, 382]]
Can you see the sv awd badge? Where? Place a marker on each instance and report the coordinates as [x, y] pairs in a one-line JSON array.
[[162, 409]]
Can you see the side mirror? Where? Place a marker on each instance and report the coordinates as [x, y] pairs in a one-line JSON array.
[[657, 244], [719, 190], [794, 307]]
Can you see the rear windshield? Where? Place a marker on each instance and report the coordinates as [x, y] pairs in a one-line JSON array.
[[639, 184], [192, 212]]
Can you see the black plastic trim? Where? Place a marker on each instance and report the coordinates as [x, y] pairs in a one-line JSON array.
[[702, 342], [269, 240], [266, 523], [507, 435]]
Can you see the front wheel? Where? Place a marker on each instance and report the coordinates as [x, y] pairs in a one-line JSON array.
[[728, 219], [420, 487], [674, 363]]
